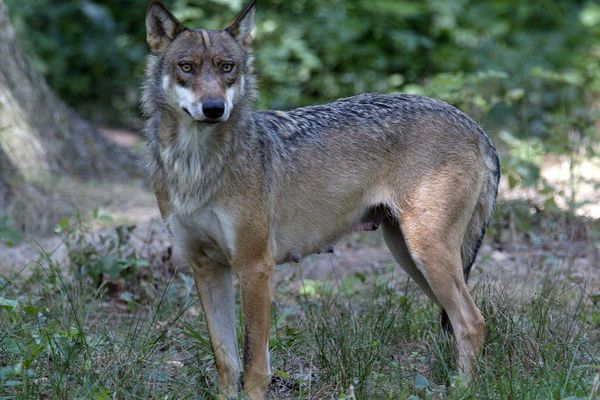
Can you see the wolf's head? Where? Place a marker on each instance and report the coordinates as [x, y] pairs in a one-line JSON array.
[[203, 74]]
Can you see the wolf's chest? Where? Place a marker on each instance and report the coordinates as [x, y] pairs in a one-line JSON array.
[[210, 230]]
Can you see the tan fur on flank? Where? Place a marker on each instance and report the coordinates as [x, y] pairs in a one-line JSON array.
[[242, 190]]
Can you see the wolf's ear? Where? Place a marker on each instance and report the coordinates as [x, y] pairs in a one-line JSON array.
[[161, 27], [241, 26]]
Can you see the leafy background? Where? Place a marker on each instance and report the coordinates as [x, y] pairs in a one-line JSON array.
[[528, 71]]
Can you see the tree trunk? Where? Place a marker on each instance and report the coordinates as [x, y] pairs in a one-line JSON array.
[[6, 171], [38, 132], [40, 136]]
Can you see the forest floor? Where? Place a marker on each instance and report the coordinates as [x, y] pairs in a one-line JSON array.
[[345, 325]]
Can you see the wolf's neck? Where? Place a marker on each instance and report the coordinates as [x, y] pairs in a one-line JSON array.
[[197, 156], [193, 163]]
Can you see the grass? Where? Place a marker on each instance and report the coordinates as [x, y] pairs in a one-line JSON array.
[[69, 332]]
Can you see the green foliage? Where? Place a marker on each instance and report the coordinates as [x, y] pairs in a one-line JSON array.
[[91, 52]]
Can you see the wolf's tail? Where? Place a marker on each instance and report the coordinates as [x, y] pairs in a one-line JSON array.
[[482, 215]]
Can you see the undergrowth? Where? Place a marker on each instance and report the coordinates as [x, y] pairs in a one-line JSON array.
[[68, 332]]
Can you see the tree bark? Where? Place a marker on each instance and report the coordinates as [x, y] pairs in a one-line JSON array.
[[38, 132], [40, 136]]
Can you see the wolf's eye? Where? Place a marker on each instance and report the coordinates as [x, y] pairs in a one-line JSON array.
[[226, 67], [186, 67]]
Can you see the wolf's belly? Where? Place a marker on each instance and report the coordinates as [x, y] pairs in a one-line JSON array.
[[317, 232]]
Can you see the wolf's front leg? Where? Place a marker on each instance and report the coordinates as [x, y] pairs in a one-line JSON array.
[[255, 283], [215, 288]]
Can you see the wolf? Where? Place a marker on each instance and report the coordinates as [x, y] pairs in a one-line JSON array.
[[243, 190]]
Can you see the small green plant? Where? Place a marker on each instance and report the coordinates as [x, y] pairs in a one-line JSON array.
[[105, 259], [8, 234]]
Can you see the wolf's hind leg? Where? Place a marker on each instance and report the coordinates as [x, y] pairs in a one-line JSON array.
[[434, 241], [434, 214], [395, 241], [215, 287]]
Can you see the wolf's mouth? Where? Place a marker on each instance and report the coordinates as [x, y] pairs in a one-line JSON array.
[[209, 121]]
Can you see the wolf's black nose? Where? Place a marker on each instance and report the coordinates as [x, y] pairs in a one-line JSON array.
[[213, 108]]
